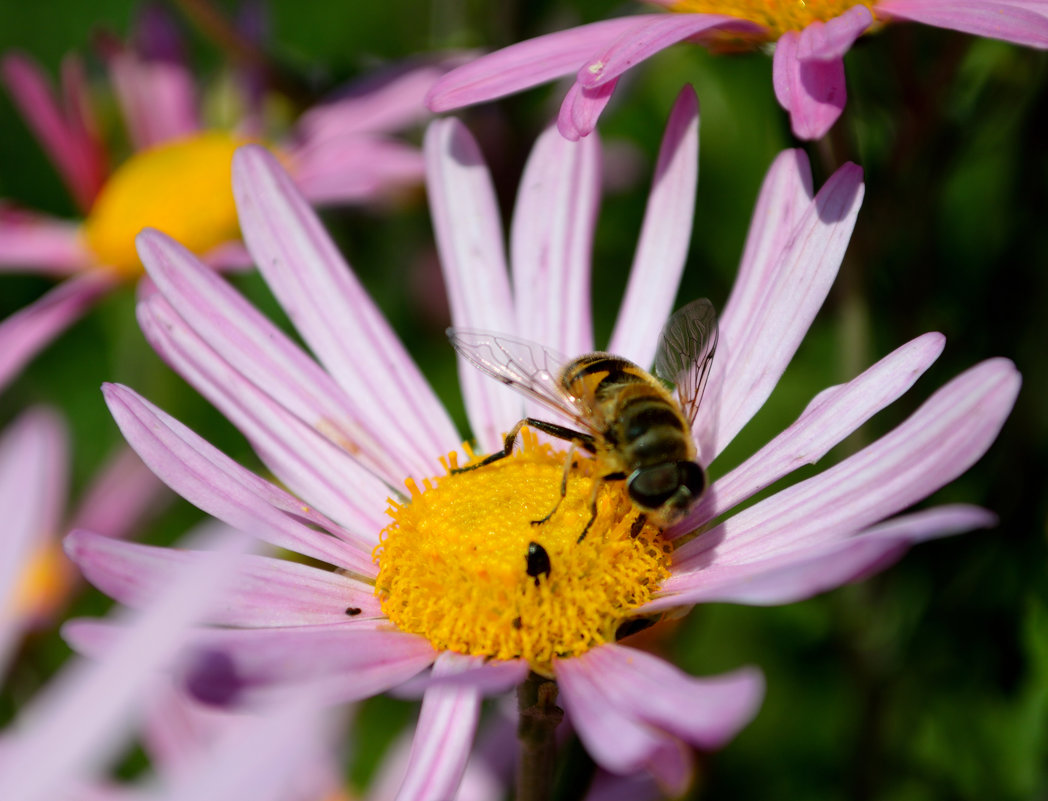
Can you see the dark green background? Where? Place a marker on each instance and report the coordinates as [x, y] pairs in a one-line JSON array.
[[926, 682]]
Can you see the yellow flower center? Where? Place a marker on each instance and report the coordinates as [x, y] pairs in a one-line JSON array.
[[43, 584], [463, 565], [778, 16], [181, 188]]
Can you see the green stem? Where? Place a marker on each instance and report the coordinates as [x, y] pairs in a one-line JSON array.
[[539, 717]]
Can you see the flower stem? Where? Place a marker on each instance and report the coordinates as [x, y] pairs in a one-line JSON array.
[[539, 717]]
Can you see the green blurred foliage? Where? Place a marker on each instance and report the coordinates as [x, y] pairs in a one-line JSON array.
[[926, 682]]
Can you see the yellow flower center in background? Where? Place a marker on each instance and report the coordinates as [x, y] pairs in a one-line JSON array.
[[182, 188], [463, 565], [44, 583], [778, 16]]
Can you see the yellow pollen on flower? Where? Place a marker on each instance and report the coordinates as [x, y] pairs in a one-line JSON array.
[[463, 565], [778, 16], [182, 188]]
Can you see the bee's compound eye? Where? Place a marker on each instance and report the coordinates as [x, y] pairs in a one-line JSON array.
[[692, 478], [538, 561], [651, 487]]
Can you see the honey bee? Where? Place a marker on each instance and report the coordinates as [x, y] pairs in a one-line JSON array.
[[623, 416]]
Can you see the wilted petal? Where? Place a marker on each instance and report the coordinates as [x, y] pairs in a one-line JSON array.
[[654, 32], [260, 592], [582, 108], [1022, 23], [823, 41], [663, 244], [444, 735], [812, 91], [469, 240]]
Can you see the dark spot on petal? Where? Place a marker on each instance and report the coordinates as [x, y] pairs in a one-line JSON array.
[[353, 611], [212, 678]]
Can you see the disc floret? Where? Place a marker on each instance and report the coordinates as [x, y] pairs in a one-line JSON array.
[[778, 16], [464, 565]]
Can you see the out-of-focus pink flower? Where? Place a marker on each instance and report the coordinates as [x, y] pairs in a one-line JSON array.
[[341, 433], [35, 576], [344, 150], [810, 40]]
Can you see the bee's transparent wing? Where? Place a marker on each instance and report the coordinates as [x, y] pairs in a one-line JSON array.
[[685, 352], [530, 368]]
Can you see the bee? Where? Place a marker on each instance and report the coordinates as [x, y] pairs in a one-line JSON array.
[[623, 416]]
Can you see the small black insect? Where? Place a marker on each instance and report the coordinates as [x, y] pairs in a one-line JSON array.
[[538, 561], [353, 611]]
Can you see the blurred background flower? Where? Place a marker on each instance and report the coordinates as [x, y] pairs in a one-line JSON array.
[[926, 682]]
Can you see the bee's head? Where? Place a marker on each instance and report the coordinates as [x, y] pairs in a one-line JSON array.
[[668, 489]]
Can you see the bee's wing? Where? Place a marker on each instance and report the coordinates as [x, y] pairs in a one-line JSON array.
[[685, 352], [530, 368]]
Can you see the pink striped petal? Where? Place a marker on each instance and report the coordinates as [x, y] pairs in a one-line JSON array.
[[937, 443], [444, 735], [582, 108], [1022, 23], [120, 495], [262, 353], [812, 91], [630, 708], [824, 41], [355, 168], [303, 459], [551, 240], [653, 33], [488, 678], [27, 331], [785, 197], [335, 316], [663, 244], [469, 239], [76, 155], [85, 716], [40, 244], [798, 574], [528, 63], [210, 480], [261, 591], [752, 358], [831, 416]]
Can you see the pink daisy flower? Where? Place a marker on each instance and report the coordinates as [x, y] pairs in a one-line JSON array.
[[810, 40], [36, 578], [442, 576], [341, 151]]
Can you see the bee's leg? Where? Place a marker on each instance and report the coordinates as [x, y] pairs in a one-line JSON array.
[[593, 500], [563, 484], [585, 440]]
